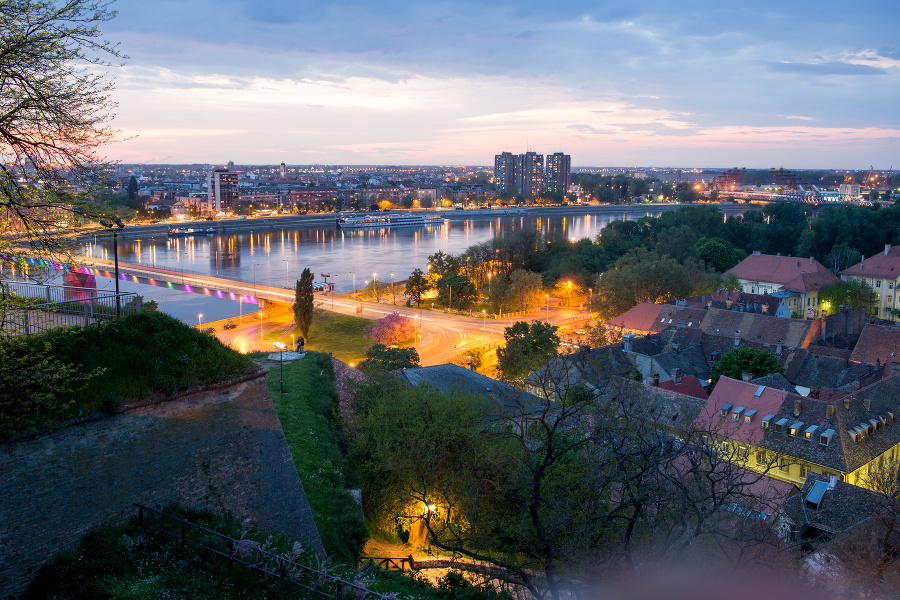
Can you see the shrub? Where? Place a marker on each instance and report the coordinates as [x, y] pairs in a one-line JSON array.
[[392, 329]]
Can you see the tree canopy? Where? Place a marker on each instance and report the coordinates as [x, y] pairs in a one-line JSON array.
[[853, 292], [417, 286], [381, 358], [303, 302], [526, 347], [746, 360], [54, 109]]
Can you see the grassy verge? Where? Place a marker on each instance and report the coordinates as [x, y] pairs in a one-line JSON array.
[[127, 562], [308, 411], [342, 335], [67, 372]]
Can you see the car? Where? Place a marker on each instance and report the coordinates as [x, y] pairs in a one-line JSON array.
[[579, 331], [209, 330], [230, 325]]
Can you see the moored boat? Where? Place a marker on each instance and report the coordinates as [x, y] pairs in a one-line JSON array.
[[389, 220]]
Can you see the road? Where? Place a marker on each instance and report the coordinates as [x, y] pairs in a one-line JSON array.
[[444, 336]]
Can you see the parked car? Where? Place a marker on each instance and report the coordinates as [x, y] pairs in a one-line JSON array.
[[230, 325], [209, 330], [579, 331]]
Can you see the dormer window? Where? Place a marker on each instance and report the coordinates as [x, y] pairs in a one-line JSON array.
[[825, 438], [748, 416], [810, 432], [892, 415], [883, 419], [736, 413], [766, 420], [795, 428], [725, 410], [876, 423], [780, 424]]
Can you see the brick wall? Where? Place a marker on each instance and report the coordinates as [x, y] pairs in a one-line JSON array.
[[222, 449]]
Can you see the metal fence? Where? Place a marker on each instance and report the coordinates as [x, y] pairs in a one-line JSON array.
[[29, 308], [254, 556]]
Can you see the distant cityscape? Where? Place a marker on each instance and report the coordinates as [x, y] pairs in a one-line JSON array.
[[527, 178]]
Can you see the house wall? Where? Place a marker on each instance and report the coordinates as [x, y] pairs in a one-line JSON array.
[[222, 450]]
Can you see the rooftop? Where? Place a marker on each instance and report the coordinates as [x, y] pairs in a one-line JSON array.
[[792, 273]]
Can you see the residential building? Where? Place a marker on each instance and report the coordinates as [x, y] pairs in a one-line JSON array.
[[789, 436], [222, 190], [558, 172], [882, 273], [530, 174], [764, 274], [505, 172]]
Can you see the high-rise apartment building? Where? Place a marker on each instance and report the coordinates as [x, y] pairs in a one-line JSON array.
[[283, 171], [559, 169], [505, 172], [530, 174], [222, 186]]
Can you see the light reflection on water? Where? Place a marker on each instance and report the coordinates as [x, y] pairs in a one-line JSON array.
[[277, 256]]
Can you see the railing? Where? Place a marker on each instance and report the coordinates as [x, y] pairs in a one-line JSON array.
[[272, 565], [27, 308]]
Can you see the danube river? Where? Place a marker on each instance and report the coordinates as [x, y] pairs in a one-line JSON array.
[[276, 255]]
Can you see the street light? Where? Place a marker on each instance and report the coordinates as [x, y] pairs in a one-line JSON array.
[[569, 285], [119, 225], [548, 308], [393, 298], [591, 300], [375, 287], [484, 322], [260, 331], [200, 321], [280, 347]]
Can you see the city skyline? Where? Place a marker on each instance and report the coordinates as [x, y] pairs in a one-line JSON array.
[[793, 84]]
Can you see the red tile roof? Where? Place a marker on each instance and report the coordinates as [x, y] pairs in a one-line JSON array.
[[642, 317], [689, 385], [881, 265], [739, 394], [877, 342], [790, 272]]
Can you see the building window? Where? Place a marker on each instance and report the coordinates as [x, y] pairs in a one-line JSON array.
[[761, 457], [783, 465], [878, 283], [804, 471], [890, 285]]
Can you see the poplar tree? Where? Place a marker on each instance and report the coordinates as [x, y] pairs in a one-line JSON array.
[[303, 303]]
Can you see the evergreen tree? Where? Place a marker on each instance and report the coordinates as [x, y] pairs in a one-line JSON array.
[[132, 188], [303, 303]]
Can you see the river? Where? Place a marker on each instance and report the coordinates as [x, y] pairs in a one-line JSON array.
[[277, 255]]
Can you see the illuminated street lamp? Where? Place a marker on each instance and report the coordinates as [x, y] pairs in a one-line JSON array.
[[200, 321], [591, 300], [569, 285], [280, 347], [119, 225]]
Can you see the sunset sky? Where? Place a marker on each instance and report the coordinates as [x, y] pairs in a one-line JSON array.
[[642, 83]]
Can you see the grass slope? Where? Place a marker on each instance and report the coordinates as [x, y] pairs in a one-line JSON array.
[[308, 411], [342, 335]]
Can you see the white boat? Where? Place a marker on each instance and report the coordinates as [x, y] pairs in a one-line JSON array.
[[389, 220]]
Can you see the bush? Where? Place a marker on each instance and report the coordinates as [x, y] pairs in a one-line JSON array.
[[392, 329]]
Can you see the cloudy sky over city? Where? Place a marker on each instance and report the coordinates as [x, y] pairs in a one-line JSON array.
[[763, 84]]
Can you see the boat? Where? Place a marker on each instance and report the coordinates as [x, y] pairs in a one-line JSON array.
[[389, 220], [183, 231]]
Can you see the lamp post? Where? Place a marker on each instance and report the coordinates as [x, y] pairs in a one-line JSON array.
[[119, 225], [375, 287], [569, 285], [591, 299], [548, 308], [260, 331], [280, 347], [200, 321], [393, 298], [484, 322]]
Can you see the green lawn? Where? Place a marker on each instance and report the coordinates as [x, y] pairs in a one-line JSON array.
[[342, 335], [308, 411]]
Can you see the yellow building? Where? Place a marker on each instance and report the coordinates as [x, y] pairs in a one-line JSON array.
[[882, 273], [766, 274]]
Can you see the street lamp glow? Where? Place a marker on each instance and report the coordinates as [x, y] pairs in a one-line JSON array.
[[200, 321]]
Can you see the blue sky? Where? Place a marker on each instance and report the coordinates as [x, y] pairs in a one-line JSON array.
[[794, 84]]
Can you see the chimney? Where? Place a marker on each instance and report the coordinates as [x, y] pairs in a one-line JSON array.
[[765, 308], [728, 302], [676, 347], [628, 338], [471, 366], [887, 248], [832, 481], [796, 408], [708, 304], [829, 411], [868, 404], [814, 392], [798, 264], [654, 380], [747, 376], [737, 338], [778, 348], [846, 402], [676, 375], [810, 260]]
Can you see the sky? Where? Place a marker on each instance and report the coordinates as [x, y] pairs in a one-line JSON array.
[[798, 84]]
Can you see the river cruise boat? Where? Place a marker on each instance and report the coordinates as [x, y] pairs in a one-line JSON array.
[[390, 220], [181, 231]]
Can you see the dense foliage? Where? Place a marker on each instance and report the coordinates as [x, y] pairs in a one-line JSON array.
[[381, 358], [526, 347], [68, 372], [391, 329], [303, 302], [745, 360]]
